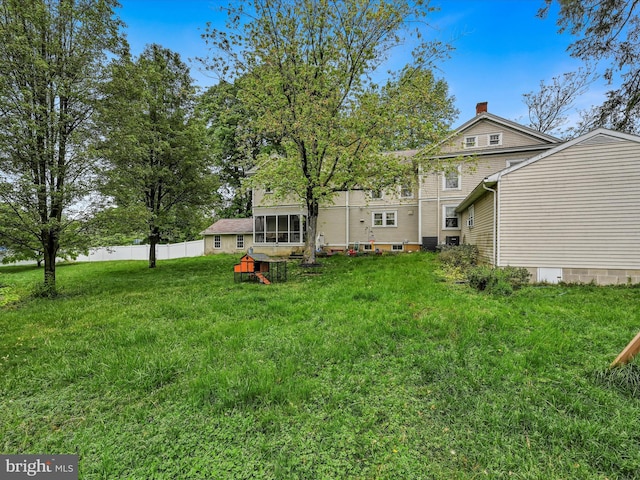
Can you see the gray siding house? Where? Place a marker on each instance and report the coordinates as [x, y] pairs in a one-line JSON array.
[[571, 213]]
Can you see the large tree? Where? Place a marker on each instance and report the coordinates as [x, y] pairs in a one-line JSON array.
[[52, 56], [309, 69], [234, 144], [607, 30], [154, 146], [550, 106]]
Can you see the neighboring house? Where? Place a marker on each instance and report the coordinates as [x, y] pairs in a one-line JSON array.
[[420, 215], [229, 235], [568, 214]]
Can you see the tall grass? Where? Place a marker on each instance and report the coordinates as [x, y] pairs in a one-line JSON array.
[[370, 369]]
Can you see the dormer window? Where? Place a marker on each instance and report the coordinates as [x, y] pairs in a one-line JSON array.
[[495, 139], [470, 142]]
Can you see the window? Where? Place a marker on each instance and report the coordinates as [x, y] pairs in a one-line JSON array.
[[495, 139], [240, 241], [406, 190], [279, 228], [396, 247], [472, 214], [470, 142], [366, 246], [452, 180], [217, 241], [384, 219], [376, 194], [451, 219]]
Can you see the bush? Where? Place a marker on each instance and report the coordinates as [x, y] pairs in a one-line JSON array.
[[499, 281], [459, 256]]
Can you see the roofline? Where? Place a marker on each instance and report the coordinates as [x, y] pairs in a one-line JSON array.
[[508, 123], [494, 151], [598, 131], [494, 179]]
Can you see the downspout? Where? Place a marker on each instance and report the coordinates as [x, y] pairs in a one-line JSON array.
[[495, 225], [438, 225], [420, 210], [347, 221]]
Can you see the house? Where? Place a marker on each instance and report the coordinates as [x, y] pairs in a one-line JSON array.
[[420, 215], [569, 213], [229, 235]]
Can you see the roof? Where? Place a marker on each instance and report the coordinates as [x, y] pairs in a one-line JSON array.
[[261, 257], [595, 136], [230, 226], [507, 123]]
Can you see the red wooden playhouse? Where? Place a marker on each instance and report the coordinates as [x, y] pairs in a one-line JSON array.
[[260, 267]]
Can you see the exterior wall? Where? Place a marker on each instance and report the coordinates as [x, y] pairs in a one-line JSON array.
[[434, 197], [482, 232], [576, 209], [601, 276], [510, 137], [228, 244]]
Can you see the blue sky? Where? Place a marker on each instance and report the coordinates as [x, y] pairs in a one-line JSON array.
[[502, 49]]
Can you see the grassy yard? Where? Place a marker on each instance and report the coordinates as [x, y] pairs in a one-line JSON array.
[[370, 368]]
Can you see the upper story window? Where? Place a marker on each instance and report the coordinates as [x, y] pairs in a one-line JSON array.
[[406, 190], [495, 139], [470, 142], [452, 180], [376, 194]]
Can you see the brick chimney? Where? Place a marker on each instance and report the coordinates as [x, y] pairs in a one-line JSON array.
[[481, 107]]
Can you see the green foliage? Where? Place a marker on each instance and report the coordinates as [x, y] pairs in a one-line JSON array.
[[462, 256], [498, 281], [52, 58], [155, 146], [607, 30], [306, 72]]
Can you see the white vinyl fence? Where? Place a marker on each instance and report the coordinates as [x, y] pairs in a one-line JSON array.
[[194, 248]]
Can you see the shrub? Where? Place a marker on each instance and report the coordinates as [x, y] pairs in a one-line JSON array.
[[460, 256], [499, 281]]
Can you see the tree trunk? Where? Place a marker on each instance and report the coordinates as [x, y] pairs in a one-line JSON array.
[[312, 231], [154, 239], [50, 245]]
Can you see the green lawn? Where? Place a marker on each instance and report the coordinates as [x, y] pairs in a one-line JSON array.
[[368, 368]]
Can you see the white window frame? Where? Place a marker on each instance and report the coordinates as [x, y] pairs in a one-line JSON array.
[[397, 247], [384, 219], [471, 218], [406, 188], [444, 218], [466, 144], [217, 241], [447, 175], [239, 241], [494, 144], [376, 194]]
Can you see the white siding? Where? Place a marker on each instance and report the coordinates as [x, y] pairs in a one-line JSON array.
[[579, 208]]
